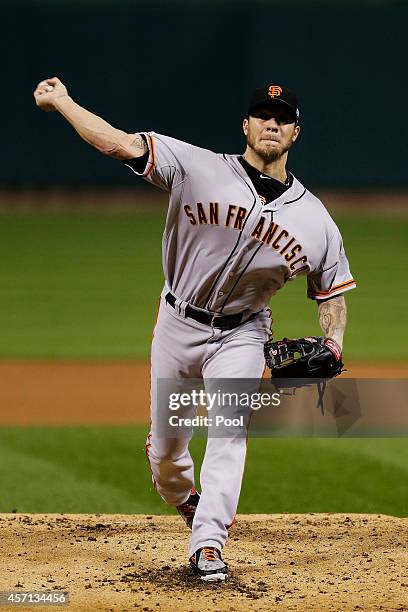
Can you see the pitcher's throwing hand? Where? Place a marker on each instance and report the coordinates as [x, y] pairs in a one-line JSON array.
[[47, 93]]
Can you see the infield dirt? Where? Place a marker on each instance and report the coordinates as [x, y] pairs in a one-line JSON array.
[[319, 562], [277, 562]]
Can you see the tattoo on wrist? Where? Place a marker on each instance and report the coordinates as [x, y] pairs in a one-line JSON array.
[[333, 318]]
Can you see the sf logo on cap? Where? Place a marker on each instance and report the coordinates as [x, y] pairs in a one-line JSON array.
[[274, 91]]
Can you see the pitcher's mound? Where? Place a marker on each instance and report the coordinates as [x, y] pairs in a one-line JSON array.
[[277, 562]]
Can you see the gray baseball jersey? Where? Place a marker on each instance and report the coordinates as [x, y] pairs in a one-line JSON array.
[[223, 250]]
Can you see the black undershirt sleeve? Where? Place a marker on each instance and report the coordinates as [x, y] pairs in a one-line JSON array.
[[139, 163]]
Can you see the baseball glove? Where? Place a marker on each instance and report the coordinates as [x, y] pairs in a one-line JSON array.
[[312, 357]]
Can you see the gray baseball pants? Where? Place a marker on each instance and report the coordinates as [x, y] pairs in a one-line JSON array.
[[184, 348]]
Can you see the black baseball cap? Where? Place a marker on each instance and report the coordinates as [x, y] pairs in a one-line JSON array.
[[274, 94]]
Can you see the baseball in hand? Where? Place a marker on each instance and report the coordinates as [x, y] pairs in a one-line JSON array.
[[43, 91]]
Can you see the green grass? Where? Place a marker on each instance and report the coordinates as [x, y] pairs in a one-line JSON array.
[[79, 285], [84, 285], [103, 469]]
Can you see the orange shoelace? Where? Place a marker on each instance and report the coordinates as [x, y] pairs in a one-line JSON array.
[[209, 553]]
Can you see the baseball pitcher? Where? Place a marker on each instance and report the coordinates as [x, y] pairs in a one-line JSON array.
[[238, 228]]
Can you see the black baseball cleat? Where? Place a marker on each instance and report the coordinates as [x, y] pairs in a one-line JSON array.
[[208, 564], [188, 509]]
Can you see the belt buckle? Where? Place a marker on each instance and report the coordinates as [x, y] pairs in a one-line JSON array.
[[214, 317]]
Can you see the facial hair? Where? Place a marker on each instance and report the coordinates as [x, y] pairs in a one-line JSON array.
[[266, 154]]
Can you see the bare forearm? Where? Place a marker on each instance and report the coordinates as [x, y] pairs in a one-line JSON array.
[[99, 133], [333, 318]]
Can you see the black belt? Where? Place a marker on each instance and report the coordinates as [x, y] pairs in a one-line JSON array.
[[222, 322]]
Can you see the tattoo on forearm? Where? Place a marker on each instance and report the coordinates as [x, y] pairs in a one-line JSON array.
[[333, 318], [140, 143]]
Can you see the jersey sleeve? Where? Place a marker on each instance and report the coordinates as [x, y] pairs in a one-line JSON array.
[[333, 276], [166, 163]]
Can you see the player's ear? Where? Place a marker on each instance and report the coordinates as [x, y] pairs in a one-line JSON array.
[[296, 133], [245, 126]]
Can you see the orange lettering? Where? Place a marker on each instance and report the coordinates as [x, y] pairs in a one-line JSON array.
[[189, 213]]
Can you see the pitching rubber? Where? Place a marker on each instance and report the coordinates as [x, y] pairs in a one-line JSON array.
[[214, 577]]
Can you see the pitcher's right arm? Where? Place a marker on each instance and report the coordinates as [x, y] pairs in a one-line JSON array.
[[52, 95]]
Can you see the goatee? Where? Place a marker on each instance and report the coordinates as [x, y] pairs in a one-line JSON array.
[[269, 156], [266, 153]]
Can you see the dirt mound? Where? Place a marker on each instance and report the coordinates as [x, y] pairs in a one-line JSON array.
[[277, 562]]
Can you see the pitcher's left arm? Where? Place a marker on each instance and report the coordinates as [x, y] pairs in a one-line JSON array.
[[333, 318]]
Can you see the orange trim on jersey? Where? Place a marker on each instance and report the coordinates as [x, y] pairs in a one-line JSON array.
[[157, 316], [147, 446], [158, 310], [149, 435], [336, 288], [152, 158], [148, 443]]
